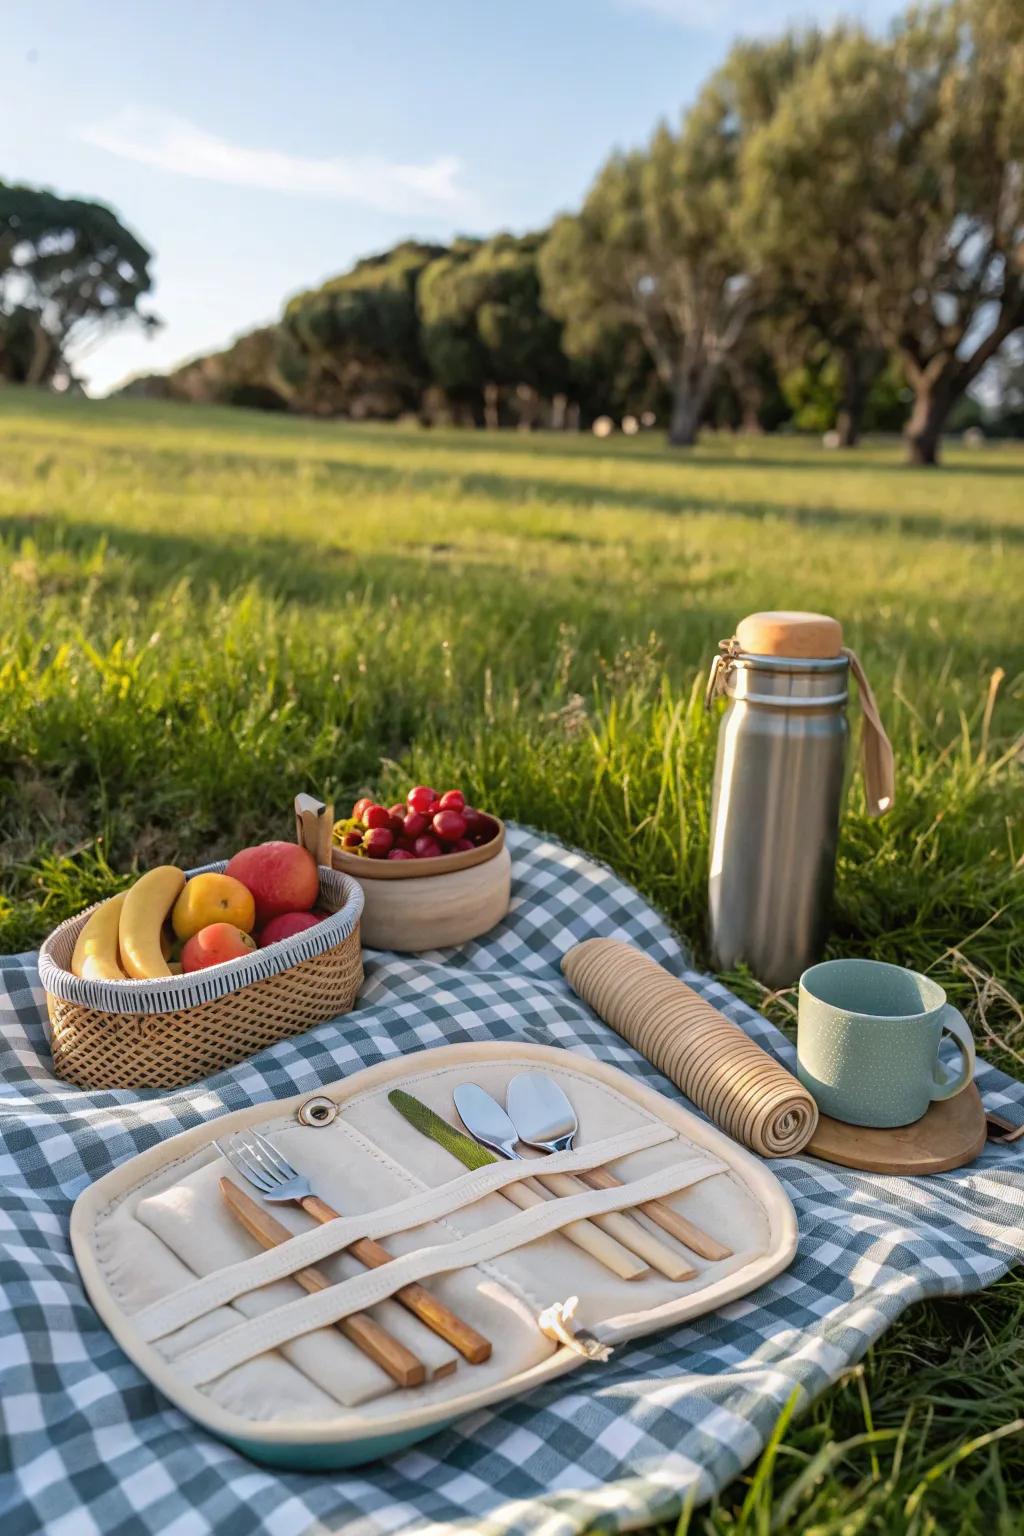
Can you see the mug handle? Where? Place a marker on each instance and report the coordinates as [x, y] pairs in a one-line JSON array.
[[952, 1020]]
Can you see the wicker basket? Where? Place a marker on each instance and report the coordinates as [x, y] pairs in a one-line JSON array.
[[165, 1033]]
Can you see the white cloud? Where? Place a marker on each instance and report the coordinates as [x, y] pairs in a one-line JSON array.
[[173, 144]]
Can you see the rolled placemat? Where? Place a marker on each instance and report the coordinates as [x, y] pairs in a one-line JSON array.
[[741, 1089]]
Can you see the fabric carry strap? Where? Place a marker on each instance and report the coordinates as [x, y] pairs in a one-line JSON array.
[[879, 764], [415, 1210], [259, 1334]]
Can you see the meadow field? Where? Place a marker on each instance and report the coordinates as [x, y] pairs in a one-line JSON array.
[[205, 611]]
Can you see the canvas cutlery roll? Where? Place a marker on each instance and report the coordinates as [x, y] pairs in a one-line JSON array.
[[217, 1321]]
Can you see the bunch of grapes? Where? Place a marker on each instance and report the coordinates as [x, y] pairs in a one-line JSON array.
[[425, 826]]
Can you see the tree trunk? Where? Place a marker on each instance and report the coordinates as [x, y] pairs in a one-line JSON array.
[[854, 398], [492, 412], [934, 393], [687, 403]]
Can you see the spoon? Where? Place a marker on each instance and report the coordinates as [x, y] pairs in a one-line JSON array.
[[487, 1122], [542, 1115]]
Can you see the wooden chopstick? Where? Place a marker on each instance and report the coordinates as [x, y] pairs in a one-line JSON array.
[[630, 1234], [621, 1261], [666, 1218], [473, 1346], [380, 1346]]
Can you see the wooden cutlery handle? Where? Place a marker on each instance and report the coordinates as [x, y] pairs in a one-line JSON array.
[[630, 1234], [470, 1344], [584, 1234], [666, 1218], [365, 1332]]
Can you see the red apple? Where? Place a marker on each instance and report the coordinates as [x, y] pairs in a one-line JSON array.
[[287, 925], [360, 807], [215, 943], [452, 800], [378, 842], [401, 853], [282, 877], [427, 847]]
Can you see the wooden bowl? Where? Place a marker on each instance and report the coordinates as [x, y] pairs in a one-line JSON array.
[[411, 905]]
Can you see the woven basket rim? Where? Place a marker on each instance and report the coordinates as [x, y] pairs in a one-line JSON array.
[[173, 993]]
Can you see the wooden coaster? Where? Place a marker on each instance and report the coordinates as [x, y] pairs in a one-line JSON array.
[[951, 1134]]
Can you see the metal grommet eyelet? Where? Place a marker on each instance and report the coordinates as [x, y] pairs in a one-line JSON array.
[[317, 1111]]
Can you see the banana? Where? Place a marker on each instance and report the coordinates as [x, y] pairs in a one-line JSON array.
[[142, 917], [95, 955]]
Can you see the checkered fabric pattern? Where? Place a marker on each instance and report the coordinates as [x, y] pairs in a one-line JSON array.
[[92, 1448]]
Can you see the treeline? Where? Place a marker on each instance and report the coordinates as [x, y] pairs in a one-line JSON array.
[[833, 235]]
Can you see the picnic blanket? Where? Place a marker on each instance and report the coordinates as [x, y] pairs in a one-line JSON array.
[[91, 1447]]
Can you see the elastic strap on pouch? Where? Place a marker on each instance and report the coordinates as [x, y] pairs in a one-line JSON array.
[[269, 1331], [415, 1210]]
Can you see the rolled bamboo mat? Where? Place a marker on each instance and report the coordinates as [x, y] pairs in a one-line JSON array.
[[739, 1086]]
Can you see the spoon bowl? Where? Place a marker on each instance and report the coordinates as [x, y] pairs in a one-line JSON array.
[[541, 1113]]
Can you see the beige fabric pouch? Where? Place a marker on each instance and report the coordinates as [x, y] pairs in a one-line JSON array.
[[221, 1328]]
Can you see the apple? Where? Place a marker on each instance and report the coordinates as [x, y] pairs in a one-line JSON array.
[[212, 898], [214, 944], [281, 876], [286, 925]]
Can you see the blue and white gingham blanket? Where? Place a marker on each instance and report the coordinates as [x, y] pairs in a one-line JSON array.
[[92, 1448]]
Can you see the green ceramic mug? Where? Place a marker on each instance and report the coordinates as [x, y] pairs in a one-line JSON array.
[[868, 1042]]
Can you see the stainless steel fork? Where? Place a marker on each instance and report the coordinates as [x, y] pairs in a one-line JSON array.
[[255, 1157], [258, 1160]]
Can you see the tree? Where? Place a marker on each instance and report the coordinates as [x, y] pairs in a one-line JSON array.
[[655, 246], [357, 338], [69, 270], [892, 173], [485, 330]]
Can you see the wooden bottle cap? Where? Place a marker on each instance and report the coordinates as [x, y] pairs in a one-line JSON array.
[[790, 634]]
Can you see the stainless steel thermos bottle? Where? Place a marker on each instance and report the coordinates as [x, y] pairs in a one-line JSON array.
[[778, 790]]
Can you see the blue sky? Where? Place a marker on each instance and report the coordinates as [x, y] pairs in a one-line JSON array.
[[259, 148]]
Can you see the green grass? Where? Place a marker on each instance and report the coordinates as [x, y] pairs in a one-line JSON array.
[[204, 612]]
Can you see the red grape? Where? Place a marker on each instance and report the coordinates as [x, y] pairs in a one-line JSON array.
[[422, 798], [452, 800], [375, 816], [427, 848], [401, 853], [415, 823], [449, 825], [378, 842], [360, 807]]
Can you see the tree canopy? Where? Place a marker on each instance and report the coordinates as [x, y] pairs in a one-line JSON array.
[[69, 269], [890, 177]]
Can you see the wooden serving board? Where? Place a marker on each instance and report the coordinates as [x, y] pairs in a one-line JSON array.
[[951, 1134]]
